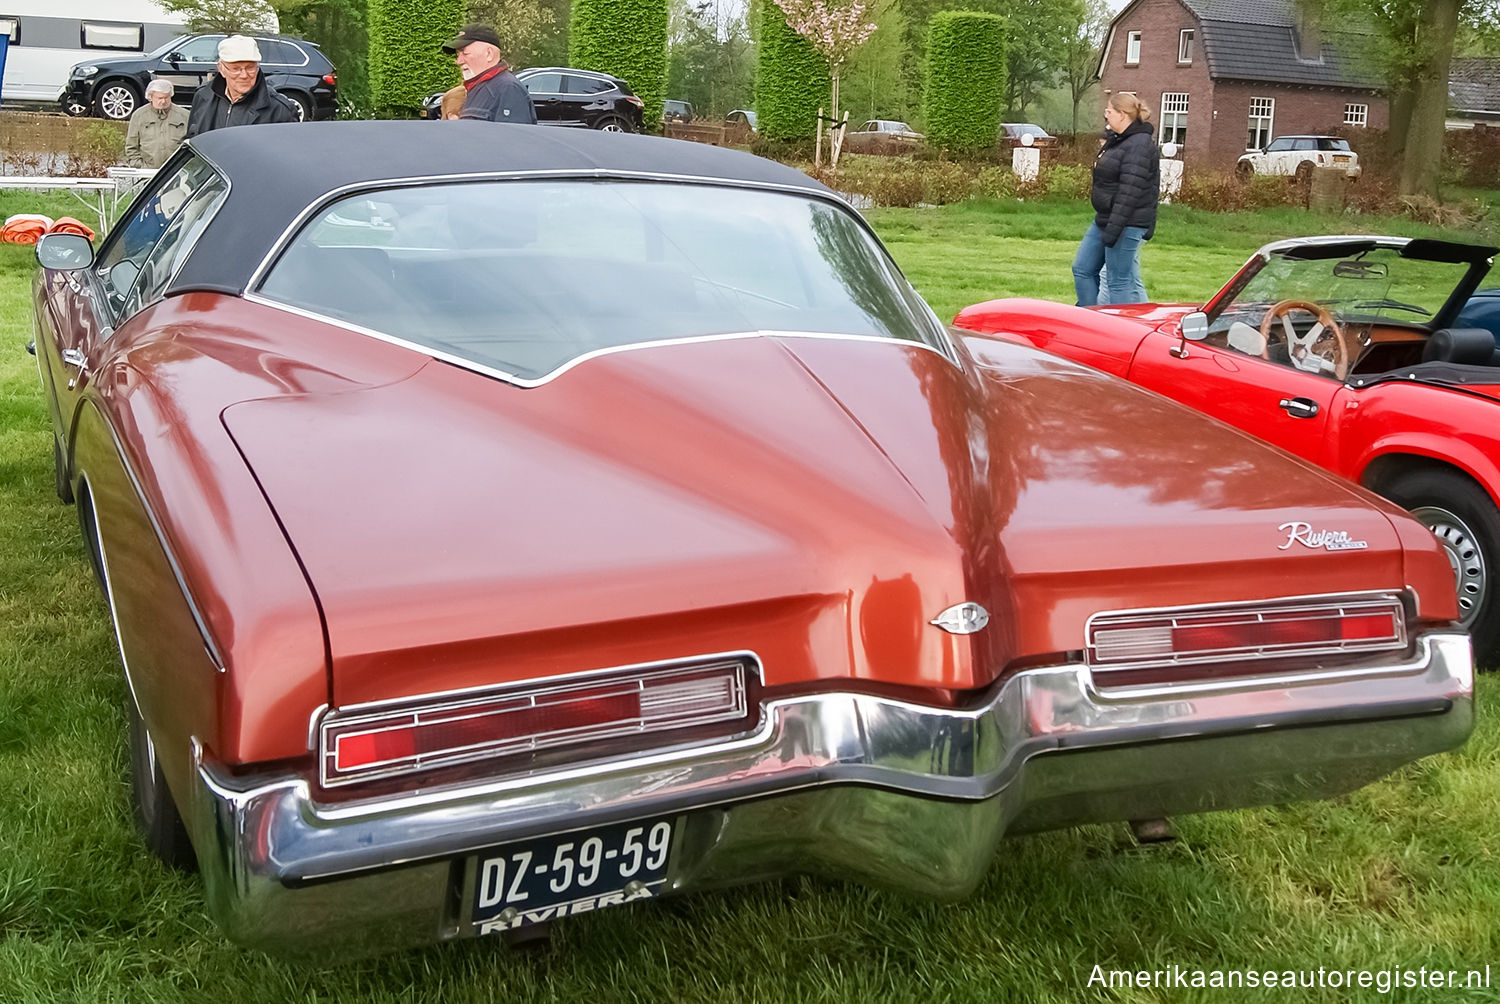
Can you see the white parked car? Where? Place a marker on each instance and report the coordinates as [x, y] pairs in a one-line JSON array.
[[1298, 155]]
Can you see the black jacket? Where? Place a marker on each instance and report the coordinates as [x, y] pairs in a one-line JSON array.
[[498, 97], [212, 108], [1127, 182]]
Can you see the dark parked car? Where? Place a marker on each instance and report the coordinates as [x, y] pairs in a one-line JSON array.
[[113, 87], [1482, 311], [568, 97], [677, 111], [1011, 133]]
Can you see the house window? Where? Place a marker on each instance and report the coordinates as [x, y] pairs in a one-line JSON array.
[[104, 35], [1174, 118], [1133, 49], [1185, 45], [1357, 115], [1261, 112]]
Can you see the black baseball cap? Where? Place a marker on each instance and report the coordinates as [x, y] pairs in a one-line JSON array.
[[473, 33]]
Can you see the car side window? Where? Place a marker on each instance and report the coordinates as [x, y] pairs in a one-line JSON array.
[[128, 245], [1277, 146], [278, 53], [1306, 144], [203, 49], [544, 83], [573, 84], [168, 254]]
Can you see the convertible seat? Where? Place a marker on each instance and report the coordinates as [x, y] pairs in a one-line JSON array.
[[1460, 346]]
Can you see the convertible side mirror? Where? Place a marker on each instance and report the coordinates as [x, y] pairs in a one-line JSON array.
[[1193, 328], [66, 252]]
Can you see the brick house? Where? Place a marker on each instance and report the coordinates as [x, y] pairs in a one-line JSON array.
[[1225, 76]]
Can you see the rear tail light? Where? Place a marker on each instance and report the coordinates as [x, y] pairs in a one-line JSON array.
[[434, 732], [635, 101], [1194, 642], [331, 79]]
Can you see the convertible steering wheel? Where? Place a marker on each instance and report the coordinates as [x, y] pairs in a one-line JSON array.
[[1322, 350]]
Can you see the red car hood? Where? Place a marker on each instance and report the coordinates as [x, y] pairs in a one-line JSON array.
[[816, 501]]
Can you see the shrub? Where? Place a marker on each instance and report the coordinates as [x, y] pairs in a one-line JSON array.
[[791, 79], [996, 182], [945, 182], [965, 78], [627, 38], [1068, 181], [407, 62]]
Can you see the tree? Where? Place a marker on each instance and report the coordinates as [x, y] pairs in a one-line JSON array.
[[229, 16], [406, 58], [791, 78], [627, 38], [711, 61], [965, 77], [339, 28], [1034, 56], [834, 30], [521, 25], [875, 86], [1081, 49]]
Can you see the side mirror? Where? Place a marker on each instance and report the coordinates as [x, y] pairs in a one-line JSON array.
[[174, 58], [66, 252], [1194, 326]]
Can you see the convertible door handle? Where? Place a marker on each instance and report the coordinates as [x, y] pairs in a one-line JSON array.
[[1299, 407]]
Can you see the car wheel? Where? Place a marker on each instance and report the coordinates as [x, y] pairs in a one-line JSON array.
[[116, 99], [613, 123], [1243, 170], [1465, 521], [1304, 173], [304, 107], [155, 812], [75, 108], [60, 474]]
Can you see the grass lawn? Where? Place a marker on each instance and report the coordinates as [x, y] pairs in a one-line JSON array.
[[1404, 873]]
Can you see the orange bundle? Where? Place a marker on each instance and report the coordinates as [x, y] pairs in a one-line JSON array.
[[24, 228], [68, 225]]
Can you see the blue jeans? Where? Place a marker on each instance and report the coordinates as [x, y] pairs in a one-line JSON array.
[[1121, 264]]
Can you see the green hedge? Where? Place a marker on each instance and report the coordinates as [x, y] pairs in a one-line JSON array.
[[627, 38], [406, 58], [791, 79], [965, 79]]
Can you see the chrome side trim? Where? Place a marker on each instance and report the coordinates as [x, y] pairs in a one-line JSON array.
[[529, 382]]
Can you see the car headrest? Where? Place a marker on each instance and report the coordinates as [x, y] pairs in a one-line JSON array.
[[1464, 346]]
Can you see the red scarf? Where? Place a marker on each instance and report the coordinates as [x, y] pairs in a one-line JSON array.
[[480, 78]]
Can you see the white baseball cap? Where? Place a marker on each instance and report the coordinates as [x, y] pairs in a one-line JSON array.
[[239, 49]]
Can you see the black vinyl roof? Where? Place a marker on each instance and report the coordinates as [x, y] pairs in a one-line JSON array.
[[277, 171]]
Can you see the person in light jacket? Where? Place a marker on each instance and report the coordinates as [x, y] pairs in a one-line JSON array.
[[1127, 184], [238, 94], [156, 128]]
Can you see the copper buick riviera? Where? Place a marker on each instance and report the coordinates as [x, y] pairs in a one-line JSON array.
[[502, 523]]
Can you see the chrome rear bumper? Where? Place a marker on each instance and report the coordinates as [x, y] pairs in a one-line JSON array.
[[846, 785]]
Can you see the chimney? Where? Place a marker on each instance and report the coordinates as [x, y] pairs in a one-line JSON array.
[[1308, 33]]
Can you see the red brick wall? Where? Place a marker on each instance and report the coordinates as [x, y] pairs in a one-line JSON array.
[[1218, 123]]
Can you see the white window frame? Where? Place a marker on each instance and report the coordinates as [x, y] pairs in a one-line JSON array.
[[1357, 115], [1174, 113], [1133, 48], [1185, 46], [1267, 116], [111, 35], [11, 26]]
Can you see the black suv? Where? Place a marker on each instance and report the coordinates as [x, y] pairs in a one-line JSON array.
[[112, 87], [568, 97]]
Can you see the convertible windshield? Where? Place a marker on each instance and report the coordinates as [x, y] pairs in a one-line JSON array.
[[1372, 285], [523, 276]]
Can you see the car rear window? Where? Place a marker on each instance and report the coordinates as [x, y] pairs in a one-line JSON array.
[[523, 276]]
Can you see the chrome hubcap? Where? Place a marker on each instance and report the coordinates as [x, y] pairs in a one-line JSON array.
[[611, 127], [117, 102], [1469, 573]]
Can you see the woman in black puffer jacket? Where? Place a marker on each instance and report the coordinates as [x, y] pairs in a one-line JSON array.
[[1127, 181]]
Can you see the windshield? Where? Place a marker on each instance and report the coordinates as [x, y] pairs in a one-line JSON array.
[[1375, 285], [161, 51], [523, 276]]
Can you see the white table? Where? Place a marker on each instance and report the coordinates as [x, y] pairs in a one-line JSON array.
[[98, 194]]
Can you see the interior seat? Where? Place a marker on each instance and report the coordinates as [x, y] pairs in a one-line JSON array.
[[1461, 347]]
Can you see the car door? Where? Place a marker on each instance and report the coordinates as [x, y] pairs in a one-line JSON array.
[[587, 99], [195, 60], [131, 270], [1273, 401], [547, 97]]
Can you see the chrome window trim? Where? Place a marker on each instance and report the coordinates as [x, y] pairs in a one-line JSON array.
[[551, 375]]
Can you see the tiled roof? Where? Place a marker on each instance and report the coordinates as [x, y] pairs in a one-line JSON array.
[[1474, 84], [1258, 40]]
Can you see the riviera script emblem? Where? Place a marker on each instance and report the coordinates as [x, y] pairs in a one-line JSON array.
[[1319, 540], [965, 618]]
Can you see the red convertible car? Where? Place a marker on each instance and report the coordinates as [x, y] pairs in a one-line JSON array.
[[502, 524], [1350, 352]]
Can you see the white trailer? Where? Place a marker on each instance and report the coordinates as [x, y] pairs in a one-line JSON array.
[[49, 37]]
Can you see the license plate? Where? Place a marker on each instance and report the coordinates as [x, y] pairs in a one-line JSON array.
[[1341, 160], [550, 877]]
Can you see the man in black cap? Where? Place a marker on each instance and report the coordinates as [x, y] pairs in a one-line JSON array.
[[495, 95]]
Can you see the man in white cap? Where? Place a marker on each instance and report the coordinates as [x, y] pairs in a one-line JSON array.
[[155, 129], [239, 94]]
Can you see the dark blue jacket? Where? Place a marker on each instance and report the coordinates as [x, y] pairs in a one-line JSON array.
[[498, 98], [1127, 182]]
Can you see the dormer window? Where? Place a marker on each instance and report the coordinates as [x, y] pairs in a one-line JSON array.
[[1133, 49], [1185, 45]]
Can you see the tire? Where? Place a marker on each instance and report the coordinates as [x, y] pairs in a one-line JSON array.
[[1304, 173], [1243, 170], [63, 486], [75, 108], [155, 812], [613, 123], [116, 100], [1467, 524], [303, 103]]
